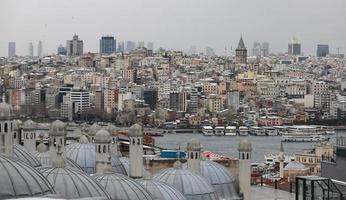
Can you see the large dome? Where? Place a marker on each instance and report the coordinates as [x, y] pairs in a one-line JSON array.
[[161, 191], [46, 161], [84, 155], [22, 154], [93, 129], [18, 179], [6, 111], [192, 185], [70, 183], [121, 187]]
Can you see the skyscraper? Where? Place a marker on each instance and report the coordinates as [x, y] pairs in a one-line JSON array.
[[31, 50], [11, 49], [74, 47], [150, 97], [61, 50], [150, 46], [256, 50], [209, 51], [39, 49], [241, 52], [294, 48], [130, 46], [140, 44], [121, 47], [265, 49], [322, 50], [107, 45]]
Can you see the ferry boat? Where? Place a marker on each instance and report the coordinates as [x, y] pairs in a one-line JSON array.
[[280, 129], [304, 134], [219, 130], [257, 131], [207, 130], [231, 131], [271, 159], [243, 131], [270, 131]]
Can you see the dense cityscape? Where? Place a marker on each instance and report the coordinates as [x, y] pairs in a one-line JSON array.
[[138, 120]]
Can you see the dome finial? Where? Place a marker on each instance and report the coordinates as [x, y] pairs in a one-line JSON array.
[[41, 147], [59, 161]]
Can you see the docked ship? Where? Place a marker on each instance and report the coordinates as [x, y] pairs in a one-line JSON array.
[[257, 131], [207, 130], [231, 131], [219, 130], [243, 131], [270, 131], [272, 159], [304, 134]]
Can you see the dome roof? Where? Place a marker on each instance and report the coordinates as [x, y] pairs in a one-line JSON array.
[[245, 145], [194, 145], [122, 187], [85, 156], [220, 178], [70, 183], [22, 154], [294, 165], [6, 111], [135, 131], [57, 128], [93, 129], [126, 164], [191, 184], [16, 124], [29, 124], [18, 179], [102, 136], [83, 139], [46, 161], [112, 129], [161, 191]]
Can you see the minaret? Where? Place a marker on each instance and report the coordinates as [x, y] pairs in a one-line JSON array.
[[193, 155], [136, 151], [29, 133], [245, 149], [114, 138], [57, 135], [102, 147], [282, 160], [241, 52], [6, 129], [16, 131]]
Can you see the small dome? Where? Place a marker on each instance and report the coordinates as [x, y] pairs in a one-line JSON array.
[[85, 156], [6, 111], [57, 128], [93, 129], [112, 129], [70, 183], [245, 145], [136, 131], [294, 165], [192, 185], [22, 154], [45, 159], [102, 136], [122, 187], [161, 191], [18, 179], [126, 164], [194, 145], [83, 139], [29, 124]]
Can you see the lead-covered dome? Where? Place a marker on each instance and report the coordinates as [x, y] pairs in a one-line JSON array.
[[93, 129], [71, 183], [192, 185], [194, 145], [245, 146], [160, 190], [22, 154], [6, 111], [102, 136], [58, 128], [122, 187], [135, 131], [29, 124], [18, 179], [112, 129]]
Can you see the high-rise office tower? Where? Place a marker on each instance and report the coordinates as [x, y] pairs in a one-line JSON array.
[[294, 48], [39, 49], [130, 46], [150, 97], [11, 49], [265, 49], [150, 46], [74, 47], [140, 44], [31, 50], [256, 50], [61, 50], [322, 50], [241, 52], [121, 47], [107, 45]]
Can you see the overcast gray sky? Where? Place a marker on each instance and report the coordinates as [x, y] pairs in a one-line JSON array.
[[174, 24]]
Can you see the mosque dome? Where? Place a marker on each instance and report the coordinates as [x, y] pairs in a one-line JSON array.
[[22, 154], [84, 154], [160, 190], [112, 129], [102, 136], [57, 128], [6, 111], [192, 185], [194, 145], [294, 165], [71, 183], [16, 124], [135, 131], [29, 124], [18, 179], [93, 129], [245, 146], [122, 187], [46, 161]]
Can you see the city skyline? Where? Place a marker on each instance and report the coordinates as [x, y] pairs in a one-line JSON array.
[[220, 27]]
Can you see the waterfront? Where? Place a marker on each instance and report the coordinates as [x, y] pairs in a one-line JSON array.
[[227, 145]]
